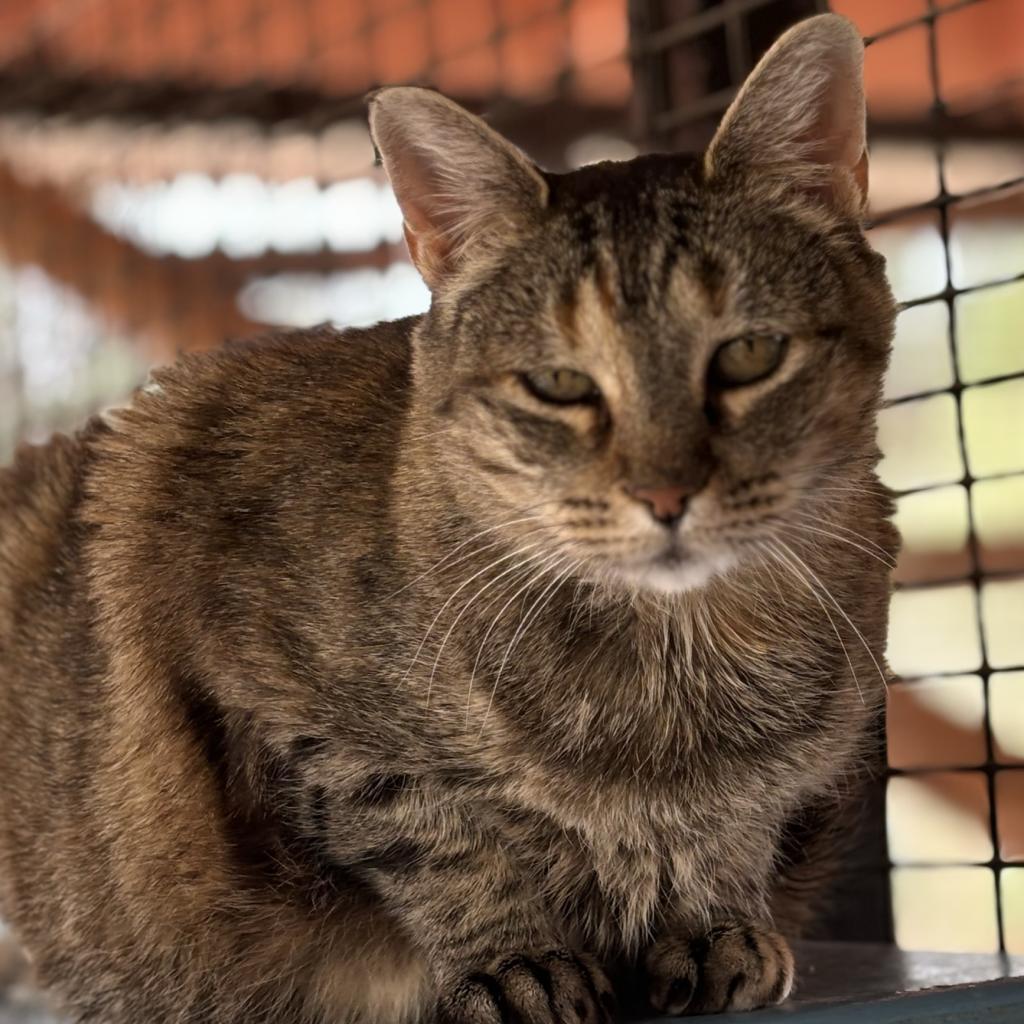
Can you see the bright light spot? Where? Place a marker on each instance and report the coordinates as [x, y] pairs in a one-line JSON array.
[[53, 332], [347, 299], [351, 215], [62, 360], [245, 216], [186, 218], [296, 220], [591, 149]]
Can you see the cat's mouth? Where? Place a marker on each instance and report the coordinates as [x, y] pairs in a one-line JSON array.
[[671, 569], [673, 556]]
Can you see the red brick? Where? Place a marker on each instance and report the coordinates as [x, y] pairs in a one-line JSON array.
[[399, 47], [598, 31]]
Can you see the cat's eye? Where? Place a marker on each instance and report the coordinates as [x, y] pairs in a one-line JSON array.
[[747, 359], [564, 387]]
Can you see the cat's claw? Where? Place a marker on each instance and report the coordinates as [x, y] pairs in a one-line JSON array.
[[730, 967], [554, 987]]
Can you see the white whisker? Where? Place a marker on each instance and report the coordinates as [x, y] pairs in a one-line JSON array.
[[887, 562], [487, 586], [835, 629], [860, 536], [535, 609], [556, 557], [480, 533], [456, 592], [839, 608]]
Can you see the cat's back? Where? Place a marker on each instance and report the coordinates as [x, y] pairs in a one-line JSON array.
[[160, 526], [254, 441], [219, 433], [252, 406], [47, 659], [178, 525], [218, 459], [40, 493]]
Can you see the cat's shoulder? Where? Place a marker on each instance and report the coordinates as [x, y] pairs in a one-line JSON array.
[[279, 419], [292, 382], [296, 365], [40, 489]]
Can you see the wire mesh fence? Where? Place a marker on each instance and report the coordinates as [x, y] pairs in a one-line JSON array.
[[956, 806]]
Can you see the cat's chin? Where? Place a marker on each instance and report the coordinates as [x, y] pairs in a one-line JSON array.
[[675, 574]]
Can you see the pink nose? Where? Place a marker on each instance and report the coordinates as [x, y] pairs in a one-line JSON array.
[[665, 503]]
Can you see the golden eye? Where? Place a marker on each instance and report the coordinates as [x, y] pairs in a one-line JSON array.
[[564, 387], [747, 359]]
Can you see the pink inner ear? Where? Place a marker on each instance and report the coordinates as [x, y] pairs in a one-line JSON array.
[[414, 185], [459, 184], [837, 133], [836, 139], [429, 252], [426, 227]]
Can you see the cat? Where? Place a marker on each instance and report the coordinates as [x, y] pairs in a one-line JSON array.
[[445, 670]]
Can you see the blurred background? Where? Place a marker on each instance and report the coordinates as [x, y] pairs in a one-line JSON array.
[[176, 172]]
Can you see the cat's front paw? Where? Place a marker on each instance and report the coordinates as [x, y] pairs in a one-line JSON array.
[[730, 967], [554, 987]]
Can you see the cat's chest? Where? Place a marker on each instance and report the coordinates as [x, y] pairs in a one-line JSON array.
[[683, 737], [647, 696], [616, 860], [660, 783]]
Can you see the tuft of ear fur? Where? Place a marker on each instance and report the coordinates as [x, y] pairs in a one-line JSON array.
[[799, 117], [462, 187]]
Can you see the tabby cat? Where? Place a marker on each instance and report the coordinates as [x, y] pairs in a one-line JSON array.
[[444, 670]]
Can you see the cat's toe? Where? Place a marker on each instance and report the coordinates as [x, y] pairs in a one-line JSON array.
[[730, 967], [554, 987]]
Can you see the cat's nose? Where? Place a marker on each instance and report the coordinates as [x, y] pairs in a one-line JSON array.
[[667, 504]]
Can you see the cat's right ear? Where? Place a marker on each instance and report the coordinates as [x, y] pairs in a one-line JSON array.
[[798, 121], [462, 187]]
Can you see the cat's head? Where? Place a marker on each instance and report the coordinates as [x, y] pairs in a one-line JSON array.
[[648, 369]]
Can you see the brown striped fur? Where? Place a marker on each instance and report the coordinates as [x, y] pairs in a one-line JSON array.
[[341, 677]]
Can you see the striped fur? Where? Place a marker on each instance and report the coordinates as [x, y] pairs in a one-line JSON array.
[[341, 682]]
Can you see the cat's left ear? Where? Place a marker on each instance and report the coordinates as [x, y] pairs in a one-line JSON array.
[[799, 118], [461, 186]]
